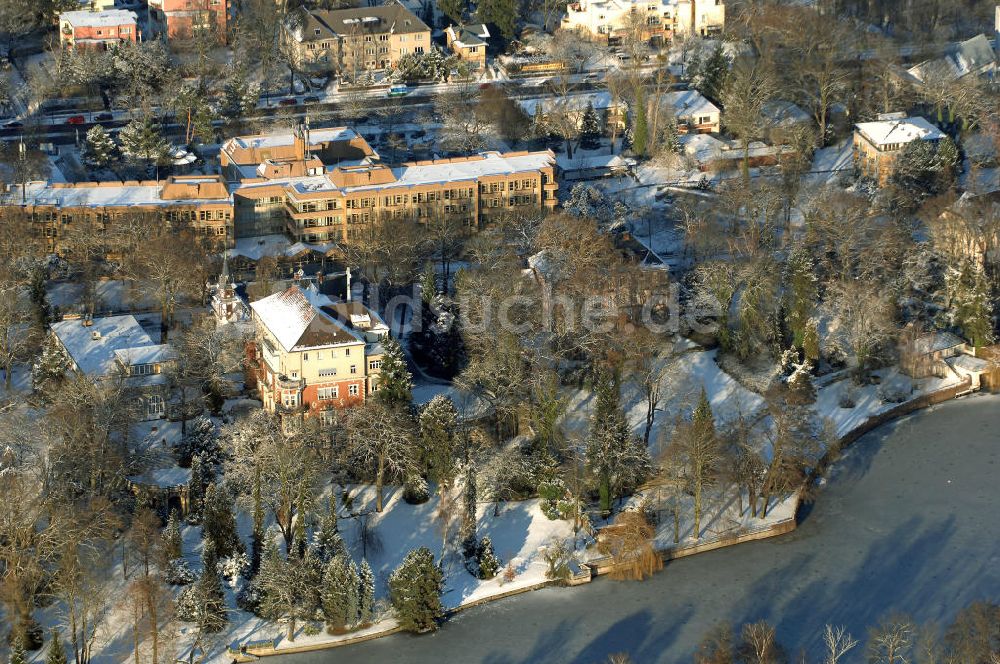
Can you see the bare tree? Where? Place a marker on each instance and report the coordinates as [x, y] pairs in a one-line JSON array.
[[759, 645], [838, 642], [750, 87], [381, 441], [629, 543], [892, 640]]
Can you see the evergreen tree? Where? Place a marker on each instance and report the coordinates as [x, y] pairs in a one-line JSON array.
[[366, 593], [327, 541], [99, 148], [703, 419], [219, 522], [57, 654], [200, 479], [49, 370], [172, 540], [590, 129], [469, 518], [501, 13], [339, 596], [201, 440], [973, 310], [17, 654], [239, 95], [713, 73], [415, 591], [438, 424], [489, 564], [211, 597], [640, 129], [801, 293], [395, 382], [143, 139], [453, 9], [810, 340], [618, 460], [428, 284]]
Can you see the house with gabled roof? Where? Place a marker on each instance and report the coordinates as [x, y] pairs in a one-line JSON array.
[[314, 354], [468, 42]]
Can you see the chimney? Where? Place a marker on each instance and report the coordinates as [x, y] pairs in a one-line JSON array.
[[95, 335], [348, 273], [87, 321]]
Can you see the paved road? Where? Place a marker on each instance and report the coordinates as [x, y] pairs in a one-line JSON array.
[[907, 522]]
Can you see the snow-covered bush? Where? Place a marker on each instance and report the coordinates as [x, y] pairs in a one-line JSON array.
[[415, 490], [551, 492], [178, 573], [232, 568], [894, 392], [846, 398]]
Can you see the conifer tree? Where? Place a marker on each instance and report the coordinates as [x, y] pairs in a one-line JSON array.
[[489, 564], [99, 149], [49, 371], [712, 74], [469, 518], [618, 460], [640, 129], [438, 424], [394, 382], [801, 293], [415, 591], [339, 595], [172, 540], [219, 522], [143, 139], [327, 540], [590, 128], [210, 595], [366, 593], [200, 479], [453, 9], [56, 654]]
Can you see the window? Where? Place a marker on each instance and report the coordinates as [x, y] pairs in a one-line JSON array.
[[327, 393], [347, 351], [331, 371], [374, 364], [305, 357], [155, 406], [354, 368], [319, 355], [353, 390], [140, 369], [290, 399]]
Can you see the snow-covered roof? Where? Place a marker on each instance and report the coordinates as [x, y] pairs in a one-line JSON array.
[[935, 341], [702, 147], [257, 247], [609, 161], [570, 103], [164, 478], [93, 347], [466, 36], [687, 103], [969, 57], [39, 193], [298, 324], [904, 130], [968, 363], [103, 19], [146, 354], [784, 113], [279, 138]]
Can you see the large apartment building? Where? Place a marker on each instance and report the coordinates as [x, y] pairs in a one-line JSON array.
[[613, 20], [201, 202], [352, 41], [319, 186], [313, 354]]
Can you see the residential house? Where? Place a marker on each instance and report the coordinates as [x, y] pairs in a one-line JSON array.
[[610, 111], [694, 113], [468, 42], [117, 348], [656, 20], [972, 57], [97, 30], [969, 230], [352, 41], [314, 354], [877, 144], [183, 19]]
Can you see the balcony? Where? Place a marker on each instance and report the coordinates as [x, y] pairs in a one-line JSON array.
[[285, 383]]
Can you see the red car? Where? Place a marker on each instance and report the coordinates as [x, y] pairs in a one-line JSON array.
[[76, 120], [288, 102]]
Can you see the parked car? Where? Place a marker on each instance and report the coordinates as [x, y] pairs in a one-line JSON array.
[[104, 117], [311, 99], [76, 120], [399, 90], [288, 102]]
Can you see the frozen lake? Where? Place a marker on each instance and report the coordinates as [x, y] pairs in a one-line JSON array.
[[908, 522]]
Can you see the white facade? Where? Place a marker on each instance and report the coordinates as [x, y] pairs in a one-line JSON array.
[[607, 19]]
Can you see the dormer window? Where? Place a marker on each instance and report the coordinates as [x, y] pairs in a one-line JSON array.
[[316, 31]]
